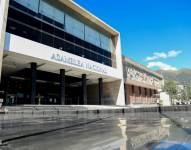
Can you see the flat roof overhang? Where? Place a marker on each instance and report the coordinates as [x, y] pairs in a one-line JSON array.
[[14, 62], [89, 16]]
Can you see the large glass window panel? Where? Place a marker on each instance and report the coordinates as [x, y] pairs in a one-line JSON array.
[[69, 37], [59, 44], [69, 47], [74, 27], [51, 12], [59, 33], [105, 42], [92, 36], [34, 30], [47, 39], [79, 41], [47, 28], [31, 4], [58, 16], [46, 9], [107, 53], [87, 54], [78, 51], [100, 58], [95, 57]]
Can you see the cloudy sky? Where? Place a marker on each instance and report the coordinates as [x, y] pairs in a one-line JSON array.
[[156, 33]]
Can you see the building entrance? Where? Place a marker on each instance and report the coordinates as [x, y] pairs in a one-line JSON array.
[[17, 89]]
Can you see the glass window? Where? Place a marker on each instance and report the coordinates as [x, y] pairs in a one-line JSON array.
[[87, 54], [95, 57], [69, 37], [69, 47], [47, 28], [78, 51], [86, 45], [58, 16], [74, 27], [52, 12], [100, 59], [109, 62], [46, 9], [59, 44], [92, 36], [59, 33], [31, 4], [107, 54], [105, 42], [47, 39]]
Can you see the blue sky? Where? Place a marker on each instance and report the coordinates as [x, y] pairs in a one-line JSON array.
[[158, 29]]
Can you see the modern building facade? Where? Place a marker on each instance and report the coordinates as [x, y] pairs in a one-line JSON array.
[[56, 52], [141, 83]]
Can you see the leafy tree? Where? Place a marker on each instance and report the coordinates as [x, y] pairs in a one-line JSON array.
[[170, 88], [184, 95], [189, 92]]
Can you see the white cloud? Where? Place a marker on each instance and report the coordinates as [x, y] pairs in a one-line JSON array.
[[174, 53], [161, 66], [158, 55]]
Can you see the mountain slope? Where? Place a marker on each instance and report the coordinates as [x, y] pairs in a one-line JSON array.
[[183, 76]]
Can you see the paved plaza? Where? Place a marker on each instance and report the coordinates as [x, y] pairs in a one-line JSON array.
[[131, 131]]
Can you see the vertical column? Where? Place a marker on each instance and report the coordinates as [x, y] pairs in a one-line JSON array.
[[125, 92], [33, 82], [4, 4], [25, 101], [100, 90], [5, 85], [84, 90], [62, 86]]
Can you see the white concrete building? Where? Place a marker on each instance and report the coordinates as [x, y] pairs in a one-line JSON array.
[[56, 52]]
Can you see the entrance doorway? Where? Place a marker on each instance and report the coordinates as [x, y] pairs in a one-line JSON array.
[[17, 89]]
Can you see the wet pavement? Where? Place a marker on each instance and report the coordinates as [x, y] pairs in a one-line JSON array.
[[131, 131]]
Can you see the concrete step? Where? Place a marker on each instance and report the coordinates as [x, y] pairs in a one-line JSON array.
[[47, 108], [54, 109]]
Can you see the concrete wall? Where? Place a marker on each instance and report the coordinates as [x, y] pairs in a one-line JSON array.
[[139, 98], [121, 94], [111, 92], [3, 21]]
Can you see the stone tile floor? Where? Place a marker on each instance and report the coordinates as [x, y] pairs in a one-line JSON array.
[[132, 131]]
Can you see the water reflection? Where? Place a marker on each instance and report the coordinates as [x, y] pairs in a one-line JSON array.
[[133, 131], [147, 139]]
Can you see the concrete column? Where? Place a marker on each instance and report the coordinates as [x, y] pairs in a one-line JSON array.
[[125, 92], [62, 86], [6, 82], [4, 4], [84, 90], [100, 90], [33, 82]]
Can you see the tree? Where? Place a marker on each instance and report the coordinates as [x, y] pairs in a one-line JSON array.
[[188, 90], [170, 88]]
